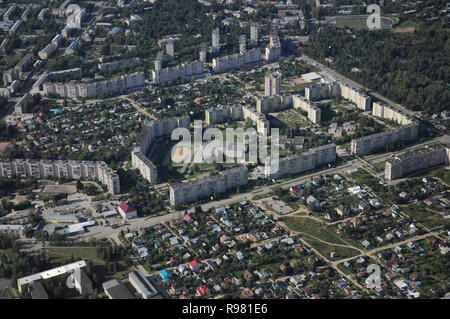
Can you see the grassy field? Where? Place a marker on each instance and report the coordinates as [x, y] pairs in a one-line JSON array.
[[359, 22], [424, 217], [77, 252], [292, 119], [313, 228], [326, 250]]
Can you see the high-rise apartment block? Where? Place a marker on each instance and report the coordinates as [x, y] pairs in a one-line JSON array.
[[277, 103], [215, 41], [236, 61], [92, 89], [150, 132], [302, 162], [242, 43], [391, 113], [371, 143], [39, 169], [414, 161], [273, 51], [254, 34], [193, 190], [272, 84], [202, 52], [223, 114], [186, 70]]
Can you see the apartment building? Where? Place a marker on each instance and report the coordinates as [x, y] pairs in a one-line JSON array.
[[15, 230], [185, 70], [391, 113], [411, 162], [322, 91], [361, 99], [278, 103], [193, 190], [254, 34], [366, 144], [91, 89], [306, 161], [16, 26], [223, 114], [3, 46], [118, 64], [236, 61], [47, 52], [272, 84], [273, 51], [39, 169], [151, 131], [313, 109], [215, 41], [10, 11]]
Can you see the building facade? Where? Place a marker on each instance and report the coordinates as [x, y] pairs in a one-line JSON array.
[[191, 191], [39, 169], [151, 131], [302, 162], [411, 162]]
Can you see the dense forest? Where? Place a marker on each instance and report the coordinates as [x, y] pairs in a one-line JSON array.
[[412, 69]]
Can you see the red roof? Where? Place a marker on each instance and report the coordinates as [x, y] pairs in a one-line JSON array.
[[203, 290], [127, 208], [194, 263]]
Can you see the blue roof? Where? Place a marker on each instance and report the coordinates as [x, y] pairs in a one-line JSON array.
[[165, 274]]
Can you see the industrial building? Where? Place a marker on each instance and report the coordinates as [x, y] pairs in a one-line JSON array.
[[142, 285]]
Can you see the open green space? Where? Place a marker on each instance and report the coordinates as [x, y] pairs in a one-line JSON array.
[[313, 228]]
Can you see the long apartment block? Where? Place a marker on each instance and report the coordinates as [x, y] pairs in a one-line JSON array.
[[177, 72], [151, 131], [411, 162], [223, 114], [371, 143], [38, 169], [391, 113], [306, 161], [276, 103], [92, 89], [236, 61], [193, 190], [330, 90]]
